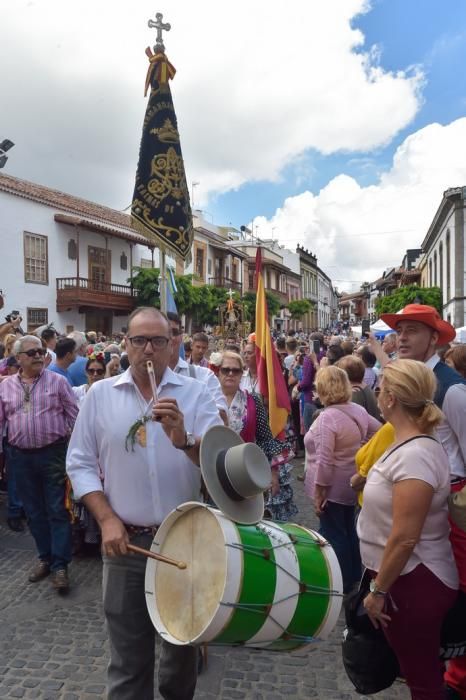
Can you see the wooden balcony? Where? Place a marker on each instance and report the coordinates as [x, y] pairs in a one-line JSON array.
[[226, 283], [78, 291]]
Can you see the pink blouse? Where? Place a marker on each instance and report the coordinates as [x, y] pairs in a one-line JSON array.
[[331, 445]]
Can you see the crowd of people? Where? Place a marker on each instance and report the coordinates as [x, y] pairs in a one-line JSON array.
[[93, 460]]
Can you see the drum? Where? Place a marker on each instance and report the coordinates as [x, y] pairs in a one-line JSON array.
[[266, 585]]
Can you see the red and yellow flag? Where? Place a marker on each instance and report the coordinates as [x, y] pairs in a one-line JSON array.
[[271, 380]]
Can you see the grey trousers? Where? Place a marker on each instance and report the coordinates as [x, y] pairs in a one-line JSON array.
[[130, 674]]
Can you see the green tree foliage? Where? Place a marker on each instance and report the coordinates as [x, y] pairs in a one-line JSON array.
[[298, 308], [199, 302], [409, 295], [249, 301], [146, 281]]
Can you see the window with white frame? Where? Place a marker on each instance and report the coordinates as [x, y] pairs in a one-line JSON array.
[[36, 267]]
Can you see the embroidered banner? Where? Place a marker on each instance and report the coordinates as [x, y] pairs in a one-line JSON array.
[[161, 210]]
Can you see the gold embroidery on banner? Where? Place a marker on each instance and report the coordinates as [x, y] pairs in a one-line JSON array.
[[167, 176], [146, 224], [167, 181], [167, 133]]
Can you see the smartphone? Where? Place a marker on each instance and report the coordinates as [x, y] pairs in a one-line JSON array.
[[366, 327], [107, 357], [316, 346]]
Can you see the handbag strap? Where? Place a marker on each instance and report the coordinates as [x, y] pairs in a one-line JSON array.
[[363, 437], [405, 442]]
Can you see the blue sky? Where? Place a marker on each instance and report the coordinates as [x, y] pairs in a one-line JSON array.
[[429, 33]]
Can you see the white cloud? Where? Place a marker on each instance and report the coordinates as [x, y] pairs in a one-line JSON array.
[[397, 211], [258, 84]]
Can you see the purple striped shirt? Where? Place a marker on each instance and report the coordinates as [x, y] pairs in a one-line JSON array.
[[52, 413]]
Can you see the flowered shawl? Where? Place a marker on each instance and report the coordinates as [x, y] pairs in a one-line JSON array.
[[247, 416]]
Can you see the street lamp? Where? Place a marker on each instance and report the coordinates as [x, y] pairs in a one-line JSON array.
[[5, 146]]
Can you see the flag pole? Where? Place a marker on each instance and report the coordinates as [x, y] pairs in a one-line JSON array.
[[163, 281], [160, 27]]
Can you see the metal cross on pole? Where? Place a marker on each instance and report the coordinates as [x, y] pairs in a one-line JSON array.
[[160, 27]]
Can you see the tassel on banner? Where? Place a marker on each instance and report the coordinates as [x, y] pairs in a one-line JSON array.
[[160, 69]]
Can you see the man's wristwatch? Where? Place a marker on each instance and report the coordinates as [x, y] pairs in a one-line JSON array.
[[189, 442], [375, 590]]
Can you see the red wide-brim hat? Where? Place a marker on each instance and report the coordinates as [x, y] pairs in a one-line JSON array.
[[423, 314]]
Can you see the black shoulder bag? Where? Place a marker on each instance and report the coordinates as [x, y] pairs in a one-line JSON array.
[[369, 661]]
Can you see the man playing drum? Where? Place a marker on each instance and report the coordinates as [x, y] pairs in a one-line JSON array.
[[145, 450]]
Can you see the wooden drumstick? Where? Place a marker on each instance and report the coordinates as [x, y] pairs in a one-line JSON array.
[[158, 557]]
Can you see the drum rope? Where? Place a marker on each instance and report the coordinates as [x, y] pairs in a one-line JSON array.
[[259, 552], [250, 607]]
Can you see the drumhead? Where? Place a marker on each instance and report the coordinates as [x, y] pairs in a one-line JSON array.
[[188, 599]]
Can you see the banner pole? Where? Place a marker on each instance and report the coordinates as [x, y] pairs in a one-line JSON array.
[[163, 282]]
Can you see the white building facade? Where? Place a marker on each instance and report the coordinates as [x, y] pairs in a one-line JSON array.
[[326, 312], [214, 259], [67, 261], [444, 255]]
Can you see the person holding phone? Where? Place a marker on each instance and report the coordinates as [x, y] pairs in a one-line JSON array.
[[365, 328], [331, 445]]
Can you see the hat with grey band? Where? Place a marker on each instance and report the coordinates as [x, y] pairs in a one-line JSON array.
[[236, 474]]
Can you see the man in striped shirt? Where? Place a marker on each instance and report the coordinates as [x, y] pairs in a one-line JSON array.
[[38, 410]]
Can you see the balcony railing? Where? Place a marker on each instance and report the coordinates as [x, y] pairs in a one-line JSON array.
[[226, 283], [79, 291]]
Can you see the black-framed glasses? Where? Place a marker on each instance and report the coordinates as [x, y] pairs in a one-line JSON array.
[[158, 342], [235, 371], [33, 352]]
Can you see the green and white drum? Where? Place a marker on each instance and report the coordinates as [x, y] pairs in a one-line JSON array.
[[267, 585]]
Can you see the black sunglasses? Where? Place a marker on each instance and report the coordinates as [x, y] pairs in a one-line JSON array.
[[231, 370], [33, 352], [96, 371]]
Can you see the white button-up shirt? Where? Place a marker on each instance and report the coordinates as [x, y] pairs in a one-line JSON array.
[[452, 430], [207, 377], [142, 484]]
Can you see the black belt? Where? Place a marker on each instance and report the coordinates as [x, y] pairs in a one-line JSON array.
[[32, 450], [135, 530]]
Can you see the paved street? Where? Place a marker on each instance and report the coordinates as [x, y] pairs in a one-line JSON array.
[[55, 648]]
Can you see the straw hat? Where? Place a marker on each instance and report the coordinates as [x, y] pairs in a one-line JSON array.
[[236, 474]]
